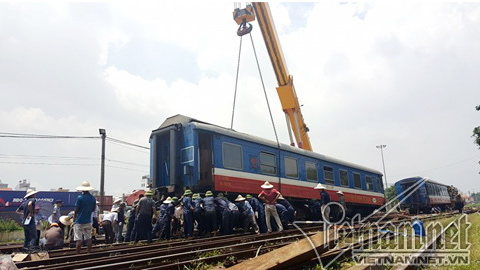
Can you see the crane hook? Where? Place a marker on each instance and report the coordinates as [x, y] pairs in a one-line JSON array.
[[243, 29]]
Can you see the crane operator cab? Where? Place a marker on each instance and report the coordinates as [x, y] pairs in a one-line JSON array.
[[243, 17]]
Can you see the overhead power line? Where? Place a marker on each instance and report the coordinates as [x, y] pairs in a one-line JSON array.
[[45, 163], [128, 163], [42, 136], [44, 157], [127, 143], [436, 168]]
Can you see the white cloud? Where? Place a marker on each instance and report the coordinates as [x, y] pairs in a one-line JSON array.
[[404, 74]]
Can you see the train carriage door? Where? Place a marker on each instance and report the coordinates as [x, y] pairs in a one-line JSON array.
[[206, 161], [413, 198], [161, 161]]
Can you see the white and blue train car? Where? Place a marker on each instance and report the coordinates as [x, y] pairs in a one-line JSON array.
[[187, 153]]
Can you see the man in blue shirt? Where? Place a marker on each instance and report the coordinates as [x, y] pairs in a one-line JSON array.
[[28, 221], [198, 213], [259, 210], [84, 207], [187, 214], [210, 213], [248, 215], [325, 199]]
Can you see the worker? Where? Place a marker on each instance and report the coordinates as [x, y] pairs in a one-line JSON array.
[[269, 195], [283, 214], [84, 207], [315, 209], [234, 216], [187, 214], [248, 215], [291, 211], [325, 200], [223, 212], [39, 219], [165, 213], [198, 213], [343, 204], [116, 204], [259, 210], [56, 214], [120, 222], [131, 232], [177, 216], [54, 237], [109, 221], [145, 211], [95, 221], [28, 221], [210, 213]]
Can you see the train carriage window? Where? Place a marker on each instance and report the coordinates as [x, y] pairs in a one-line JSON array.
[[379, 185], [311, 171], [343, 178], [328, 175], [187, 154], [268, 164], [291, 167], [357, 183], [232, 156], [369, 182]]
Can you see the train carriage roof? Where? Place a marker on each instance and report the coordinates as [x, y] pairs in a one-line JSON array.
[[185, 120], [418, 178]]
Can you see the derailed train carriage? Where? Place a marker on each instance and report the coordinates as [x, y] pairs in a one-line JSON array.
[[187, 153], [421, 195]]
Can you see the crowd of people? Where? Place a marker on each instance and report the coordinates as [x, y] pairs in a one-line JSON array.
[[147, 218]]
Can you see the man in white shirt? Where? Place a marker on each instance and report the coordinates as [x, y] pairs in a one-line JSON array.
[[109, 220]]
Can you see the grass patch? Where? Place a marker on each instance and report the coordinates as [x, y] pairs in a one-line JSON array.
[[8, 225], [473, 237]]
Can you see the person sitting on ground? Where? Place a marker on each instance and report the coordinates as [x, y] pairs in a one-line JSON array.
[[54, 237]]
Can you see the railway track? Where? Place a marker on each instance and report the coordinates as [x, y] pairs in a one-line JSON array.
[[166, 253], [178, 253]]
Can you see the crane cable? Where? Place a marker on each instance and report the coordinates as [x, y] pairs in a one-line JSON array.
[[269, 111], [263, 86], [236, 82], [265, 91], [266, 98]]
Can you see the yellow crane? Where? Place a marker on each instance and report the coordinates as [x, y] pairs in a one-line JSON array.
[[286, 90]]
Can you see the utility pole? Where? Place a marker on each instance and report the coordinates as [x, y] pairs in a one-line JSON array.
[[103, 132], [383, 162]]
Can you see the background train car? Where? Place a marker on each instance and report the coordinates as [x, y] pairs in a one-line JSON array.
[[10, 200], [424, 196], [187, 153]]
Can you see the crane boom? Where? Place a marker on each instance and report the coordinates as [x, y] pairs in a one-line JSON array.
[[286, 90]]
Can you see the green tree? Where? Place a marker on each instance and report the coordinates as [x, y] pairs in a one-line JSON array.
[[476, 197], [390, 194], [476, 131]]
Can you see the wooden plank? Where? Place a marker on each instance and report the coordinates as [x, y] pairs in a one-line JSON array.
[[288, 256]]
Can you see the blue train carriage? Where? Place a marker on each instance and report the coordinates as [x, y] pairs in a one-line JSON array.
[[187, 153], [425, 195]]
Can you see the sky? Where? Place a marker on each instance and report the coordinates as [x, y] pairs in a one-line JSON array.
[[404, 75]]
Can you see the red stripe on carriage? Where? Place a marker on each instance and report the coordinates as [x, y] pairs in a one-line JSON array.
[[244, 185]]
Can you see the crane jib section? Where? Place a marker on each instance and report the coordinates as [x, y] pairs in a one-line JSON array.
[[285, 89], [271, 41]]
